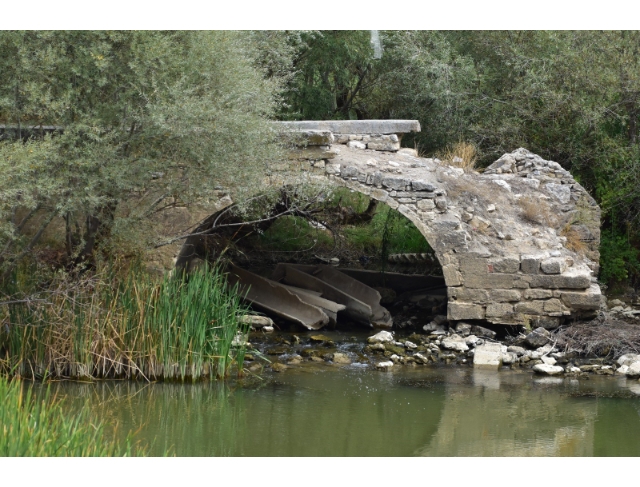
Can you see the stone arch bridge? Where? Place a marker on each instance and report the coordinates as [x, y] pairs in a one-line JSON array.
[[518, 243]]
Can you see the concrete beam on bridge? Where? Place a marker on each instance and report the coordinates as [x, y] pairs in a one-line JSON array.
[[354, 126]]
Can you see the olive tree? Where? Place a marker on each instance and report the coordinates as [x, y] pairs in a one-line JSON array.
[[92, 120]]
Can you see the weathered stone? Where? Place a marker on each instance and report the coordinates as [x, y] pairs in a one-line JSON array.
[[460, 311], [348, 171], [537, 293], [385, 145], [488, 356], [509, 358], [381, 337], [256, 321], [505, 295], [628, 359], [309, 137], [530, 264], [560, 191], [477, 296], [452, 276], [517, 350], [341, 358], [588, 300], [554, 265], [537, 338], [313, 152], [395, 183], [384, 365], [507, 265], [420, 185], [561, 281], [633, 370], [530, 307], [498, 310], [355, 144], [425, 204], [553, 306], [332, 169], [455, 342], [483, 332], [463, 329], [548, 369]]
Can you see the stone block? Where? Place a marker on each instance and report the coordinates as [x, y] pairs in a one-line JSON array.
[[562, 281], [530, 307], [384, 145], [490, 281], [488, 356], [530, 264], [497, 310], [425, 204], [348, 171], [395, 183], [507, 265], [553, 306], [588, 300], [505, 295], [332, 169], [305, 138], [554, 265], [452, 276], [420, 185], [463, 311], [313, 153], [537, 294], [477, 296]]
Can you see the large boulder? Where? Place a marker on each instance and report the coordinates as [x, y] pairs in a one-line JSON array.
[[634, 370], [628, 359], [537, 338]]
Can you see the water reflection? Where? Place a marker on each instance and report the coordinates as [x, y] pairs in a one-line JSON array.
[[329, 411]]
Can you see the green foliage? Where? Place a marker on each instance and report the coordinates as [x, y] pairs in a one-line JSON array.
[[619, 260], [173, 328], [38, 427], [189, 108], [293, 234]]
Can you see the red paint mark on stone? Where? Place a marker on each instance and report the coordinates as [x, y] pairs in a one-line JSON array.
[[490, 267]]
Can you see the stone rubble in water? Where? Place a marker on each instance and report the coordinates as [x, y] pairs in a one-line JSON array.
[[489, 356], [384, 365], [548, 369], [381, 337]]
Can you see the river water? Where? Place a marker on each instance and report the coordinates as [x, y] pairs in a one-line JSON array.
[[329, 410]]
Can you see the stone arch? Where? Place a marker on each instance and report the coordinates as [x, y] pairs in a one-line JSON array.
[[518, 243]]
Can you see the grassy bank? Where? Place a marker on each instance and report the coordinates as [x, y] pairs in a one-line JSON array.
[[39, 427], [136, 326]]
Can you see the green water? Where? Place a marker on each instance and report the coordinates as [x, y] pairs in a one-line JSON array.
[[326, 410]]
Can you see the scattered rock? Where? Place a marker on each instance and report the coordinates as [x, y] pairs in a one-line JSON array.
[[463, 329], [634, 370], [483, 332], [410, 345], [267, 329], [537, 338], [517, 350], [278, 367], [256, 321], [321, 339], [548, 360], [341, 358], [455, 342], [628, 359], [384, 365], [473, 341], [355, 144], [509, 358], [548, 369], [381, 337]]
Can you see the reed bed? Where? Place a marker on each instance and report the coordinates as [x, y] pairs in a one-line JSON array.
[[38, 427], [174, 328]]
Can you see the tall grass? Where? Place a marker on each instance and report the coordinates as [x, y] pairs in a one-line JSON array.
[[39, 427], [179, 327]]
